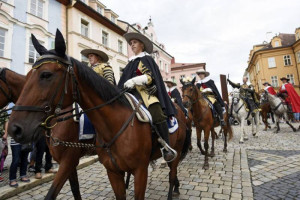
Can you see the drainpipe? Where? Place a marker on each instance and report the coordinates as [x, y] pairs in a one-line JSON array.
[[296, 64]]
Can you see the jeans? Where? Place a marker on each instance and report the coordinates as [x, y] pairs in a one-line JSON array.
[[18, 155], [41, 148]]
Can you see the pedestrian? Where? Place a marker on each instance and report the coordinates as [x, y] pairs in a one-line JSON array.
[[3, 141]]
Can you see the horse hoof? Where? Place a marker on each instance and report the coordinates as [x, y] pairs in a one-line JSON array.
[[205, 167], [225, 150], [176, 192], [241, 142], [246, 138], [212, 154], [294, 130], [265, 129]]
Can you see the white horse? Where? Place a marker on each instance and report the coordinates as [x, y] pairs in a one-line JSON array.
[[241, 114], [279, 109]]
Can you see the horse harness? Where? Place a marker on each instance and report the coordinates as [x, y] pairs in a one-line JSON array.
[[67, 63]]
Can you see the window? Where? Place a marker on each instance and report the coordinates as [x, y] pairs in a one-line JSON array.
[[104, 38], [271, 62], [120, 46], [182, 77], [291, 77], [33, 54], [274, 81], [298, 56], [173, 78], [36, 8], [84, 60], [194, 75], [160, 65], [113, 19], [287, 60], [166, 68], [84, 28], [2, 41], [276, 43], [99, 9]]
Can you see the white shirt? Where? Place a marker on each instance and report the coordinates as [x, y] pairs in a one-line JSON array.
[[171, 89], [203, 80], [142, 54]]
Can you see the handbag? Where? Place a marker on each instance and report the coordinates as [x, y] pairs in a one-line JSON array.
[[26, 147]]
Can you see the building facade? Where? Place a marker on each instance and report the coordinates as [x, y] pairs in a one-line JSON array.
[[20, 19], [279, 58], [89, 24]]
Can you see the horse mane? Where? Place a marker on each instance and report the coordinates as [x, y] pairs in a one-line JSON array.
[[100, 85]]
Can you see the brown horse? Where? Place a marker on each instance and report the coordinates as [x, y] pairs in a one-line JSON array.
[[11, 85], [203, 118], [127, 145], [265, 108]]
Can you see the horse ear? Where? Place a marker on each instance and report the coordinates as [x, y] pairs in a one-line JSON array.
[[193, 81], [38, 47], [181, 81], [60, 45]]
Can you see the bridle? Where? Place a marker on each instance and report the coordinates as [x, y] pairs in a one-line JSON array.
[[3, 79], [68, 72], [192, 101]]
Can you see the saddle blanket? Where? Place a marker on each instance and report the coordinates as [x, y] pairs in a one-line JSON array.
[[144, 115], [86, 129]]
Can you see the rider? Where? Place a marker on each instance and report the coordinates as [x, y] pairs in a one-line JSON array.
[[268, 88], [174, 94], [142, 75], [248, 94], [208, 87], [288, 93], [98, 61]]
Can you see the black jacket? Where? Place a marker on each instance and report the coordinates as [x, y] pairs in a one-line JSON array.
[[211, 84], [176, 95], [162, 95]]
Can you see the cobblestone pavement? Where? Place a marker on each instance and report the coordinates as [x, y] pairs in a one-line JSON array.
[[267, 167]]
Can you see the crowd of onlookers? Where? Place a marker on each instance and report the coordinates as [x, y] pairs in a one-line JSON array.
[[26, 157]]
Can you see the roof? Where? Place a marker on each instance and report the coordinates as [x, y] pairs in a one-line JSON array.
[[286, 40]]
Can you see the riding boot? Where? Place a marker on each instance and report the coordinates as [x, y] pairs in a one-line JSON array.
[[220, 112], [231, 118], [169, 154]]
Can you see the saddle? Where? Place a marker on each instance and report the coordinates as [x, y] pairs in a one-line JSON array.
[[211, 106]]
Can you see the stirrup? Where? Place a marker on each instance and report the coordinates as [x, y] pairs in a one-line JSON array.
[[166, 147]]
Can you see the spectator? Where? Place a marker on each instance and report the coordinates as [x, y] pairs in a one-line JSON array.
[[3, 141]]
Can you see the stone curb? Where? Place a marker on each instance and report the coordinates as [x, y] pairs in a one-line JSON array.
[[7, 191]]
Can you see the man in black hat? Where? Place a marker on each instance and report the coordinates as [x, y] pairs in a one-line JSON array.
[[175, 95], [98, 61], [143, 77]]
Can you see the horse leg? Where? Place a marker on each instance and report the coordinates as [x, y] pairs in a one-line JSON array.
[[66, 168], [118, 184], [199, 141], [225, 138], [140, 182], [176, 186], [206, 146], [73, 179], [213, 136], [172, 177], [277, 124], [257, 124], [242, 130]]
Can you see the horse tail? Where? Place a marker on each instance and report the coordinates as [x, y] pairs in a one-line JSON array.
[[186, 144]]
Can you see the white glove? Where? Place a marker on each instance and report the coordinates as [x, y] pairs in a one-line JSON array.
[[139, 80], [224, 110], [206, 90]]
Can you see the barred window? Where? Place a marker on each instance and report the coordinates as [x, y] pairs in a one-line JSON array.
[[36, 8], [291, 77], [287, 60], [271, 62], [274, 81], [104, 38], [120, 46], [2, 41], [84, 28]]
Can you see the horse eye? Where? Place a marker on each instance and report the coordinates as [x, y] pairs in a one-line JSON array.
[[46, 75]]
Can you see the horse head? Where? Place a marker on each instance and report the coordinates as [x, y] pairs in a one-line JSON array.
[[189, 93], [42, 91], [235, 96]]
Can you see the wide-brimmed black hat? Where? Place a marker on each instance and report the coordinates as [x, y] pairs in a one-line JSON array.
[[138, 36], [101, 54], [267, 83], [284, 78]]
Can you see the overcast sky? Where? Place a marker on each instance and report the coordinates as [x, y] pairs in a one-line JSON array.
[[218, 32]]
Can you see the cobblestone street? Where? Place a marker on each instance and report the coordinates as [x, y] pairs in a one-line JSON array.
[[267, 167]]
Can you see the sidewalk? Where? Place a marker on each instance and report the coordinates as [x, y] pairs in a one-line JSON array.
[[7, 191]]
